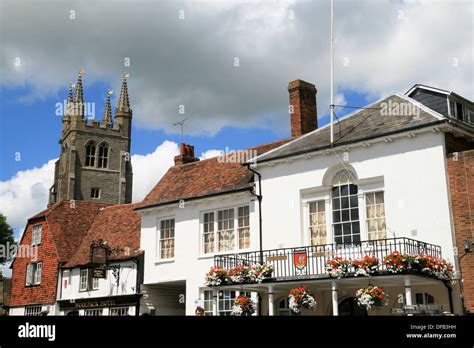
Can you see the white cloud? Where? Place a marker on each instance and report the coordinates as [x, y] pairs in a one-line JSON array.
[[210, 154], [148, 169], [380, 47], [26, 194]]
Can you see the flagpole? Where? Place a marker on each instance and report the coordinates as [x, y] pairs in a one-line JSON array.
[[331, 106]]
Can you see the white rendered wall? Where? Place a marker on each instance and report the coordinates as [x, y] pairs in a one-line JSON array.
[[107, 286]]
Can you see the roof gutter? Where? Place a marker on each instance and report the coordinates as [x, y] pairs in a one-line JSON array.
[[329, 146], [242, 189]]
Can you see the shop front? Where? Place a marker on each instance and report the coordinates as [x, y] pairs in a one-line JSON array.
[[102, 306]]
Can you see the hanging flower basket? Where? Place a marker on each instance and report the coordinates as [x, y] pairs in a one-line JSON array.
[[365, 266], [371, 297], [217, 276], [337, 267], [243, 306], [239, 275], [396, 262], [258, 273], [301, 297], [443, 269], [430, 265]]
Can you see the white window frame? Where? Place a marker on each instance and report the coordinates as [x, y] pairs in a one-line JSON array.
[[236, 230], [121, 311], [160, 239], [368, 185], [95, 283], [94, 312], [84, 273], [33, 273], [36, 233], [33, 311], [242, 227], [208, 302], [208, 225], [308, 212], [366, 218]]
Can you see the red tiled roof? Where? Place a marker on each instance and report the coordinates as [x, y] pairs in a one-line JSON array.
[[119, 225], [203, 178], [68, 222]]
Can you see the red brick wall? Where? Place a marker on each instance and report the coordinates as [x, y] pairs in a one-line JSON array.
[[461, 184], [303, 118], [45, 293]]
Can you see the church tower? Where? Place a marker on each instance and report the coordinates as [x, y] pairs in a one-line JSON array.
[[94, 162]]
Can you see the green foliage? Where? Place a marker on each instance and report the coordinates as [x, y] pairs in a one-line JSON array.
[[6, 235]]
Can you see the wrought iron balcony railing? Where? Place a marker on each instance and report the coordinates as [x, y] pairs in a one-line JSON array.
[[285, 261]]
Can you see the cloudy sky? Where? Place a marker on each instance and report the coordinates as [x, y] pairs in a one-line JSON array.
[[227, 62]]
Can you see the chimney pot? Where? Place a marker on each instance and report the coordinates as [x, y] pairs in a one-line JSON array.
[[186, 155], [304, 116]]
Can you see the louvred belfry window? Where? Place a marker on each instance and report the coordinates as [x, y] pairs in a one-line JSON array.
[[90, 154], [103, 156]]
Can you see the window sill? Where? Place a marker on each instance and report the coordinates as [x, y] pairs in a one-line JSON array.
[[162, 261]]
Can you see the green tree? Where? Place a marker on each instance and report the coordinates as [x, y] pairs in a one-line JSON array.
[[6, 237]]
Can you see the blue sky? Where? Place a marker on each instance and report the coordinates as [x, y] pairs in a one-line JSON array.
[[33, 130], [227, 62]]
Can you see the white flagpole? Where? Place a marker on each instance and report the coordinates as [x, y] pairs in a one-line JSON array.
[[331, 106]]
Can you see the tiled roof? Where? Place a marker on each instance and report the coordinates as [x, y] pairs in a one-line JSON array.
[[204, 178], [361, 125], [119, 225], [68, 222]]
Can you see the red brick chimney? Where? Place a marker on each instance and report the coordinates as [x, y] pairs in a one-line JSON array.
[[186, 155], [303, 112]]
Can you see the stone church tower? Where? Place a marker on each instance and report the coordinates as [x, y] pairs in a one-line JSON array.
[[94, 163]]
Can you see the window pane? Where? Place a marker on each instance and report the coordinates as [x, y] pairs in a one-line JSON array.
[[354, 200], [353, 189], [336, 216], [344, 190], [345, 202], [355, 214], [336, 203], [335, 191], [345, 215]]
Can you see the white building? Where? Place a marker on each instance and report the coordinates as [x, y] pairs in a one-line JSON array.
[[381, 187], [106, 283]]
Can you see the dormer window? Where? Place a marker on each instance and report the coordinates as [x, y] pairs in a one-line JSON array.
[[90, 154]]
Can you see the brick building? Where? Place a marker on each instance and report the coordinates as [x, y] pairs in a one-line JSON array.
[[93, 171], [461, 184]]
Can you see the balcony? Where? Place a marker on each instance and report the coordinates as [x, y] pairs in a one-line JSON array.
[[315, 257]]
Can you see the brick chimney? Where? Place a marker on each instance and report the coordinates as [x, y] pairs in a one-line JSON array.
[[186, 155], [303, 112]]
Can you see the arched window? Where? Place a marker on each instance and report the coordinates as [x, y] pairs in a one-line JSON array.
[[345, 208], [90, 154], [103, 155]]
